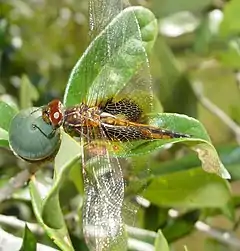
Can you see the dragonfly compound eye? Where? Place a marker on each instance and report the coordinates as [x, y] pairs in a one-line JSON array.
[[31, 138]]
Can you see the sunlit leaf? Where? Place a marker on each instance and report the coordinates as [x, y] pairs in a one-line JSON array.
[[231, 23], [59, 236], [51, 211], [103, 69], [160, 242], [6, 115]]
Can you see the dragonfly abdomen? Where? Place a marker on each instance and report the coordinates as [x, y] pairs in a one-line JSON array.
[[158, 133], [138, 132]]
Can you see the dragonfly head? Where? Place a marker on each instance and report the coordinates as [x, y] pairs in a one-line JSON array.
[[52, 113]]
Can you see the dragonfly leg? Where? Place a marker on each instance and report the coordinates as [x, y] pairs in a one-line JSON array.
[[49, 136]]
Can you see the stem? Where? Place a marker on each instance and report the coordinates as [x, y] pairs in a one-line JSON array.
[[198, 89], [17, 182]]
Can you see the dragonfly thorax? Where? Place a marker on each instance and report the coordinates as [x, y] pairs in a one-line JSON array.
[[81, 116]]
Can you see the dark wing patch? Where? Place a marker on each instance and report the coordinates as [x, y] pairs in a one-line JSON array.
[[129, 109], [122, 133]]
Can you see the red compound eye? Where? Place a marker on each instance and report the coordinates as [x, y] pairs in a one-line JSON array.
[[55, 112]]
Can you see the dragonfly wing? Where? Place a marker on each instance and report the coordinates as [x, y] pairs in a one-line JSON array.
[[101, 12], [121, 60], [103, 225]]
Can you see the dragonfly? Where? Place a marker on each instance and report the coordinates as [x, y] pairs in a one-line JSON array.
[[111, 114]]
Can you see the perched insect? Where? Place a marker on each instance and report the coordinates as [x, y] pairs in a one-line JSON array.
[[116, 121], [115, 110]]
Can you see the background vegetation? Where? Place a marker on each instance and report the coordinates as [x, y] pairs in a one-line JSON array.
[[195, 72]]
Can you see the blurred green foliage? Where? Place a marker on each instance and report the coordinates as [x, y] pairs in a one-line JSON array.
[[40, 42]]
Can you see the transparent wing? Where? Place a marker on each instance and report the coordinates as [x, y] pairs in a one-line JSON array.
[[101, 12], [103, 225], [122, 60], [121, 71]]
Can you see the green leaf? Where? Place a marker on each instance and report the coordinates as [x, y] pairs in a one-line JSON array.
[[231, 23], [97, 68], [51, 211], [228, 154], [29, 241], [59, 236], [160, 242], [189, 189], [3, 137], [28, 93], [6, 115], [199, 141]]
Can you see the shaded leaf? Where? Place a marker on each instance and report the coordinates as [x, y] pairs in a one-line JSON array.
[[29, 241], [189, 189]]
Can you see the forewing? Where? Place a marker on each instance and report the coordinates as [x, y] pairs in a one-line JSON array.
[[101, 12], [124, 71]]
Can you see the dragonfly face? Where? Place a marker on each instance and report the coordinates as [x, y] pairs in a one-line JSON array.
[[53, 113]]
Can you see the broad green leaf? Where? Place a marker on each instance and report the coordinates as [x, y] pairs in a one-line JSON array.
[[199, 141], [6, 115], [51, 211], [96, 67], [28, 93], [160, 242], [229, 155], [189, 189], [29, 241], [59, 236]]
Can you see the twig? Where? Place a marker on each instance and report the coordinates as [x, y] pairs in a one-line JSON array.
[[222, 236], [198, 89], [17, 181], [11, 242], [14, 183]]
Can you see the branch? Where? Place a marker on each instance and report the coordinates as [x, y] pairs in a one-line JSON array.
[[17, 182], [198, 90], [11, 242], [222, 236], [14, 222]]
